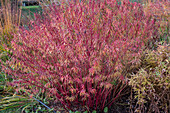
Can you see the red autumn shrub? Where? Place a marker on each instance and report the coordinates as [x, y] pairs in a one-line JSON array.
[[161, 10], [76, 51]]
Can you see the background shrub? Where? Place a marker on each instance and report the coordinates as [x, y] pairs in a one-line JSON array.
[[152, 82]]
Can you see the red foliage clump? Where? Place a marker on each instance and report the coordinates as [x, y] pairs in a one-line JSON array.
[[76, 51]]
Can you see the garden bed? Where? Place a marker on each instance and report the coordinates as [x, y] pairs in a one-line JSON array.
[[87, 56]]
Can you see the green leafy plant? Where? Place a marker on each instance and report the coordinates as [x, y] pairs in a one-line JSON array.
[[16, 101], [25, 103]]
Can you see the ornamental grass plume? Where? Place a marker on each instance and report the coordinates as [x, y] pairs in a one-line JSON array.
[[76, 51], [9, 23], [9, 17]]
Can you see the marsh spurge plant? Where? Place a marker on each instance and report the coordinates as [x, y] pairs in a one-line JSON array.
[[76, 51]]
